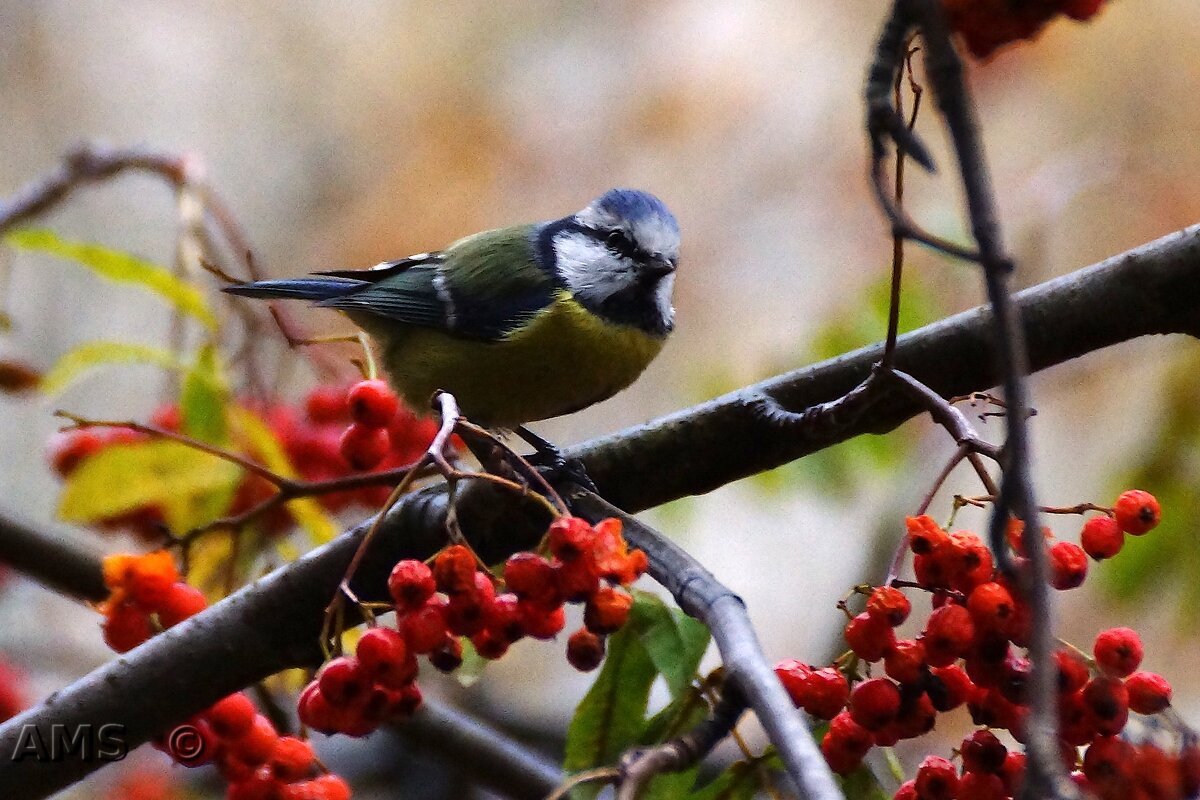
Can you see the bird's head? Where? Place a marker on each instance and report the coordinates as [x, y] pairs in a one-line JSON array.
[[618, 256]]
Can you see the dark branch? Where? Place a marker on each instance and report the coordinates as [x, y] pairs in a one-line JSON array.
[[275, 622]]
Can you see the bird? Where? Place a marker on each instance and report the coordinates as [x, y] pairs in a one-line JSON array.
[[519, 324]]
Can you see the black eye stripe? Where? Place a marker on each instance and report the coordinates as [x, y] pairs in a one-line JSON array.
[[620, 243]]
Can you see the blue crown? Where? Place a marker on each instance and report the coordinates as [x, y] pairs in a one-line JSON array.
[[635, 205]]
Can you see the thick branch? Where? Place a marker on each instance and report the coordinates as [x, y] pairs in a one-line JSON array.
[[1154, 289], [275, 622]]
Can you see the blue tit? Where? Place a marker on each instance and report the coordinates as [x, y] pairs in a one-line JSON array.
[[520, 323]]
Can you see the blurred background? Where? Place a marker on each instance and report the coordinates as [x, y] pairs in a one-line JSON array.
[[345, 134]]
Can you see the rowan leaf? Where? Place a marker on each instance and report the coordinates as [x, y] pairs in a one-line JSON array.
[[89, 355]]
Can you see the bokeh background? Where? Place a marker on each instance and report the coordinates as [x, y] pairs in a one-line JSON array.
[[342, 134]]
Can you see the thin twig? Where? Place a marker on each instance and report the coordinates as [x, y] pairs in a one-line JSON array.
[[639, 767]]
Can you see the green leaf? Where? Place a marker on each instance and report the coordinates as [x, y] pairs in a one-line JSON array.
[[680, 715], [610, 717], [861, 785], [740, 782], [674, 641], [203, 399], [88, 355], [121, 267], [122, 478], [473, 664], [671, 785]]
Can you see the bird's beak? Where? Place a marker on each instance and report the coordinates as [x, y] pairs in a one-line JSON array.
[[658, 268]]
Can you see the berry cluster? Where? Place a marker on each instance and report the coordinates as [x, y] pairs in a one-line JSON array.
[[258, 763], [341, 430], [968, 655], [146, 596], [437, 606], [988, 24]]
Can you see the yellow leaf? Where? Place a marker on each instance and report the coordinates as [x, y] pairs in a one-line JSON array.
[[74, 362], [182, 481], [262, 441], [119, 266]]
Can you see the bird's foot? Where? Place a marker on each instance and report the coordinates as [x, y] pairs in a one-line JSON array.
[[550, 461]]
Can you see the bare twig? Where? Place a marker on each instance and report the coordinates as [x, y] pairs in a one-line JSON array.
[[639, 767]]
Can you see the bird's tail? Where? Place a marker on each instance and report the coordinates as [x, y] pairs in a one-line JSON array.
[[296, 288]]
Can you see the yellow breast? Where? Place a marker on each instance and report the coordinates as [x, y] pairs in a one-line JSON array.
[[564, 359]]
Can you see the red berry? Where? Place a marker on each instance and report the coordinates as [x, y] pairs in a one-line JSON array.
[[67, 449], [180, 602], [607, 610], [1107, 761], [372, 403], [541, 623], [292, 759], [125, 627], [845, 744], [425, 628], [925, 535], [260, 785], [948, 635], [1081, 9], [327, 404], [981, 786], [949, 687], [874, 703], [1072, 671], [531, 577], [869, 637], [907, 791], [970, 561], [364, 447], [231, 716], [1068, 565], [1118, 651], [385, 659], [329, 787], [1149, 693], [585, 650], [1013, 772], [991, 607], [504, 618], [827, 693], [257, 744], [983, 752], [888, 604], [343, 681], [149, 578], [411, 584], [1107, 702], [577, 579], [1136, 511], [454, 569], [794, 676], [489, 645], [906, 662], [936, 779], [1101, 537], [570, 538]]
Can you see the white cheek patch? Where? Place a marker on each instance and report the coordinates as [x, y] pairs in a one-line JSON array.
[[589, 268], [662, 299]]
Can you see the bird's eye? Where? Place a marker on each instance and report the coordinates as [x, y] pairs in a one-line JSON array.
[[618, 241]]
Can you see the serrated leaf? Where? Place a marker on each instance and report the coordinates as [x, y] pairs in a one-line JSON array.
[[674, 641], [203, 399], [93, 354], [267, 448], [611, 715], [122, 478], [121, 267]]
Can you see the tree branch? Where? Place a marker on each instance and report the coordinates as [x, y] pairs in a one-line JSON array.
[[275, 622]]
